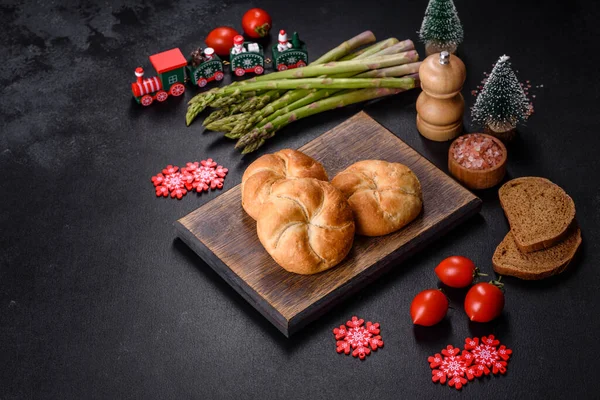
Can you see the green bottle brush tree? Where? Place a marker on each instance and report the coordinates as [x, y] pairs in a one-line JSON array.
[[502, 102], [441, 29]]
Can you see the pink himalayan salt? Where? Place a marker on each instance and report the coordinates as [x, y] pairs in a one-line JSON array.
[[476, 151]]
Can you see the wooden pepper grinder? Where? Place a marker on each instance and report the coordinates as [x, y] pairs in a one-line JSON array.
[[440, 106]]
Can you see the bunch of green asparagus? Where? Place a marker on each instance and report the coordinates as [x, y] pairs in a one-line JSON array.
[[253, 110]]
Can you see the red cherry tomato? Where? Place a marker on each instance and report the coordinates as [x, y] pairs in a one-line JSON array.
[[221, 39], [256, 23], [484, 302], [457, 271], [428, 307]]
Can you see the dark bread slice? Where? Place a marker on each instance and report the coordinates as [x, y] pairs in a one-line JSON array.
[[539, 212], [509, 260]]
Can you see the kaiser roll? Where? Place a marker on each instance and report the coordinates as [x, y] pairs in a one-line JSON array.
[[384, 196], [270, 168], [306, 225]]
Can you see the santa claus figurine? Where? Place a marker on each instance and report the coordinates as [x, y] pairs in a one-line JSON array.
[[283, 41], [238, 45]]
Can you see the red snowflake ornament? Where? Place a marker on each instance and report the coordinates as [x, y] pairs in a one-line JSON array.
[[199, 176], [358, 339], [486, 353], [450, 367], [205, 175], [478, 358], [170, 181]]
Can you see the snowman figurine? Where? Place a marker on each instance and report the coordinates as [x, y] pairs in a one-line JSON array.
[[283, 41], [209, 53], [238, 45]]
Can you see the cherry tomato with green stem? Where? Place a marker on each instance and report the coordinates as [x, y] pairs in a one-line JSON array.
[[484, 301], [428, 307], [457, 272], [256, 23]]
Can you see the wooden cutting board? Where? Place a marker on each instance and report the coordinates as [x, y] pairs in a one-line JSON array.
[[225, 237]]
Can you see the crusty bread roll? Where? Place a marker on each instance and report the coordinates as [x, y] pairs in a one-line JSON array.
[[384, 196], [306, 225], [270, 168]]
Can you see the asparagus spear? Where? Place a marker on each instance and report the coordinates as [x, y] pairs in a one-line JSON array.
[[324, 83], [334, 67], [369, 51], [216, 115], [346, 47], [253, 140], [399, 70], [259, 102]]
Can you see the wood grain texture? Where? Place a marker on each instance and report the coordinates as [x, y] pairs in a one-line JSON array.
[[225, 236]]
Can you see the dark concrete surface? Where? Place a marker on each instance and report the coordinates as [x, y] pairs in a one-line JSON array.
[[99, 300]]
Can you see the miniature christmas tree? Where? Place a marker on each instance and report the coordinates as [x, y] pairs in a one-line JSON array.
[[441, 29], [296, 41], [502, 103]]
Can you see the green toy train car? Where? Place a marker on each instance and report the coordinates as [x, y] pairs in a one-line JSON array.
[[294, 57], [250, 60], [204, 68]]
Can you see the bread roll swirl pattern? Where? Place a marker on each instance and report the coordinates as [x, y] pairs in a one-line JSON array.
[[384, 196], [270, 168], [306, 225]]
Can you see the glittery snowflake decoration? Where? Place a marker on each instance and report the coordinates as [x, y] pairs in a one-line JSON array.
[[358, 339], [458, 368], [247, 62], [199, 176]]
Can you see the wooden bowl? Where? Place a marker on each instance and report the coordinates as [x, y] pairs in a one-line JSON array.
[[478, 178]]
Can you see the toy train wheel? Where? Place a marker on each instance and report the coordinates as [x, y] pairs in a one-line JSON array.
[[301, 64], [259, 70], [281, 67], [146, 100], [240, 71], [219, 76], [202, 82], [177, 89], [162, 95]]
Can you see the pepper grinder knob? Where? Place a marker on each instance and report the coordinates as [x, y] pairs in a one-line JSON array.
[[444, 57]]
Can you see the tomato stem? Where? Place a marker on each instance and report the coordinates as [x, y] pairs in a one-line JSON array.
[[477, 273], [497, 283]]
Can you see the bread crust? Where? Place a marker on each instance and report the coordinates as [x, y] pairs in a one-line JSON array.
[[530, 246], [549, 268], [271, 168], [306, 225], [384, 196]]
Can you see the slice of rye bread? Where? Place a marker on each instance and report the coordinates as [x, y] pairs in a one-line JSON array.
[[539, 212], [509, 260]]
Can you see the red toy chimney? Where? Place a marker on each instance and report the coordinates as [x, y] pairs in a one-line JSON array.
[[139, 72]]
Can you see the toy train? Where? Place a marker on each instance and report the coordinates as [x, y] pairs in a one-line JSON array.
[[169, 66], [288, 55], [203, 67]]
